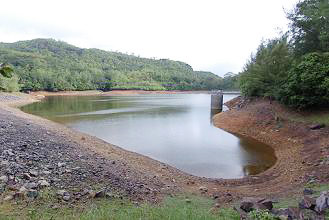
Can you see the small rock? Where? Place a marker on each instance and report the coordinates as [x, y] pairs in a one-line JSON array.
[[31, 185], [60, 164], [4, 179], [317, 126], [308, 192], [188, 201], [34, 173], [322, 202], [32, 194], [307, 203], [100, 194], [43, 183], [62, 192], [203, 189], [66, 198], [8, 198], [4, 163], [46, 172], [26, 176]]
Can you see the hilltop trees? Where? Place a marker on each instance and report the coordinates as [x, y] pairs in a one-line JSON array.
[[46, 64], [295, 72]]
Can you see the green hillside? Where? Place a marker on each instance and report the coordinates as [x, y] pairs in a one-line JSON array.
[[47, 64]]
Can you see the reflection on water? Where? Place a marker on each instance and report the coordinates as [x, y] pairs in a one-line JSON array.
[[174, 129]]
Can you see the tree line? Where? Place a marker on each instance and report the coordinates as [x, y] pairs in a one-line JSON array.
[[294, 68], [47, 64]]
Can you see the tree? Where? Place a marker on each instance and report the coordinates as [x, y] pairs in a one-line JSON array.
[[5, 70], [308, 83], [309, 26], [267, 70]]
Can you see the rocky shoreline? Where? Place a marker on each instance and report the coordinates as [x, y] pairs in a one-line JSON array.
[[34, 157], [37, 154]]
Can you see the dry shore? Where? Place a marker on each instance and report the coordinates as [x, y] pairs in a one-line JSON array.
[[297, 148]]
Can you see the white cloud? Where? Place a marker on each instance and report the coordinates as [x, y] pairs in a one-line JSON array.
[[208, 34]]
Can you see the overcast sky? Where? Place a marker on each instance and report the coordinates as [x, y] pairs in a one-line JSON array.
[[213, 35]]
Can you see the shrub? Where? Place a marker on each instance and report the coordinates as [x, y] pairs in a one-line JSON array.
[[307, 85]]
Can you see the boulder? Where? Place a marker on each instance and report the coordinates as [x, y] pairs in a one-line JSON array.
[[322, 202], [317, 126], [100, 194], [249, 204], [307, 203]]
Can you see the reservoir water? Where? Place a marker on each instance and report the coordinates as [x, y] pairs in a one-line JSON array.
[[173, 128]]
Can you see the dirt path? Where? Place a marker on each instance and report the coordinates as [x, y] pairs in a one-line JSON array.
[[77, 161]]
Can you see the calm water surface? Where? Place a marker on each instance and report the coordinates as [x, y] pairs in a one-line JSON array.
[[175, 129]]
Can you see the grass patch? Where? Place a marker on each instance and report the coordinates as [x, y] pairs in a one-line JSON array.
[[172, 208], [316, 117]]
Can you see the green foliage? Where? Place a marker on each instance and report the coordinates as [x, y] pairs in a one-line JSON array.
[[46, 64], [5, 70], [297, 74], [267, 70], [262, 215], [172, 209], [8, 81], [9, 84], [308, 83], [310, 26]]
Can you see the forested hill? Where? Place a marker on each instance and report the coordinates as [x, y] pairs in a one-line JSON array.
[[47, 64]]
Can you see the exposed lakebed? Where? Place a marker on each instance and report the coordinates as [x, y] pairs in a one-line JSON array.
[[173, 128]]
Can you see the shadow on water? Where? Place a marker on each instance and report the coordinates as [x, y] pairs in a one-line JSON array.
[[174, 129]]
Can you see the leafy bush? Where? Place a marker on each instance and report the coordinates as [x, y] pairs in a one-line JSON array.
[[9, 84], [262, 215], [308, 83]]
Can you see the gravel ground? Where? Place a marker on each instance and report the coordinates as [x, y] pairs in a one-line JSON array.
[[32, 157]]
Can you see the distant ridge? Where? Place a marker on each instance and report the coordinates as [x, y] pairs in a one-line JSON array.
[[48, 64]]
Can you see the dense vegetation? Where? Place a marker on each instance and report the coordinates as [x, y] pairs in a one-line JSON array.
[[294, 68], [46, 64]]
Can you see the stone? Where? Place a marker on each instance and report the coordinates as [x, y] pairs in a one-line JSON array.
[[247, 205], [8, 198], [26, 176], [46, 172], [66, 198], [188, 201], [60, 164], [307, 203], [2, 188], [322, 202], [307, 192], [203, 189], [4, 179], [43, 183], [62, 192], [33, 194], [31, 185], [317, 126], [34, 173], [100, 194], [268, 204]]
